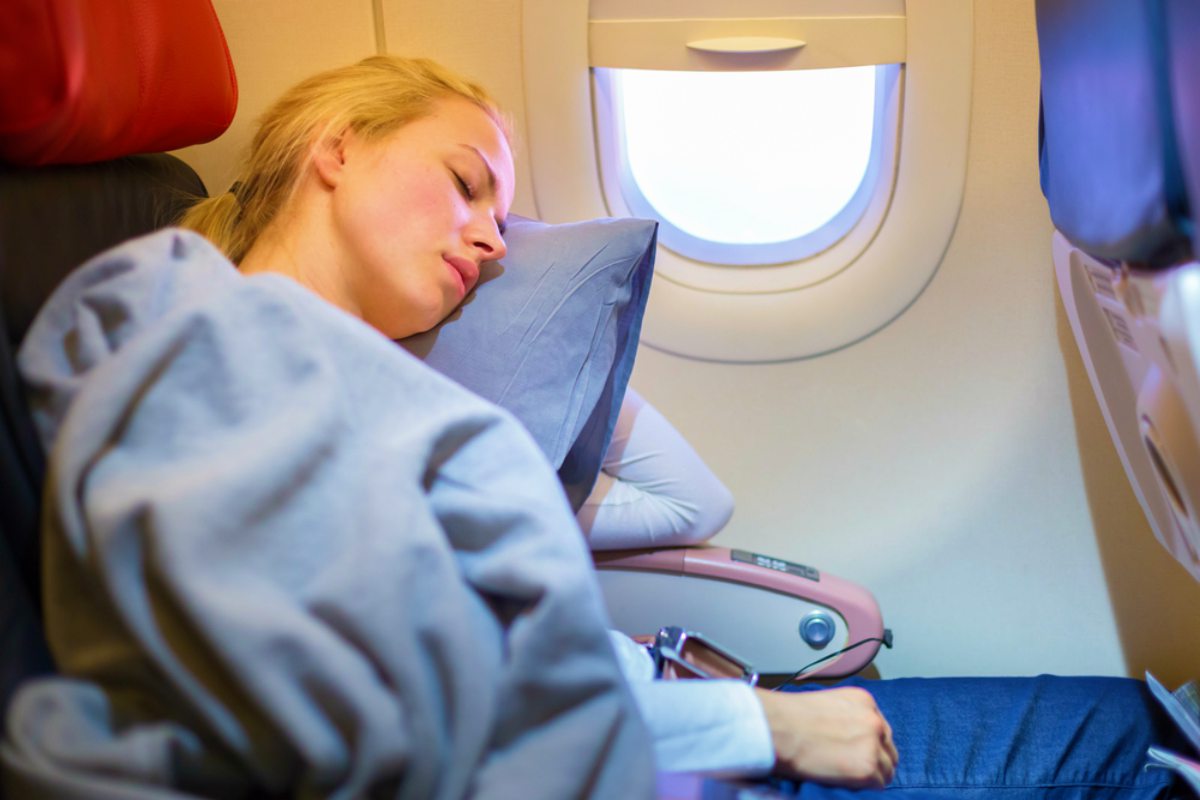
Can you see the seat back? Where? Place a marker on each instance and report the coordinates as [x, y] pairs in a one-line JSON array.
[[1120, 149], [1182, 21], [21, 641], [51, 220], [1109, 154]]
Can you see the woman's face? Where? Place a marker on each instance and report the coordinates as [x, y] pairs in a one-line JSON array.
[[415, 214]]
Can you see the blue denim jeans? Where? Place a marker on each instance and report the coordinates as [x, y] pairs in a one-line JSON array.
[[1017, 738]]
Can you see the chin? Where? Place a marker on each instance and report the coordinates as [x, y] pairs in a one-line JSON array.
[[411, 316], [431, 316]]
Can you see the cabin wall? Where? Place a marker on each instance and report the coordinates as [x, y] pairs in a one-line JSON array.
[[955, 462], [274, 44]]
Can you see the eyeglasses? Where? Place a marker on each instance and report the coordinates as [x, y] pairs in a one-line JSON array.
[[683, 654]]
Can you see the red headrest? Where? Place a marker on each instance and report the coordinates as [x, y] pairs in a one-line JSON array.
[[90, 80]]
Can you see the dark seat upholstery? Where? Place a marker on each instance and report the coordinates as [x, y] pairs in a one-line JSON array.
[[1182, 22], [52, 219]]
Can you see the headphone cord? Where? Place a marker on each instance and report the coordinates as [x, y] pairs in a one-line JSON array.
[[886, 641]]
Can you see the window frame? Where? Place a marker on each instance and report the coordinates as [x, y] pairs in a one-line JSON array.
[[868, 290]]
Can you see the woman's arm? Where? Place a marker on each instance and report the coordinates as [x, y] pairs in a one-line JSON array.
[[653, 490], [724, 727]]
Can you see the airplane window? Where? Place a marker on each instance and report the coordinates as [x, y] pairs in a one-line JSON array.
[[805, 159], [744, 167]]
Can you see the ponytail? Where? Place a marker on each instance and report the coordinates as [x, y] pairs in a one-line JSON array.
[[216, 218]]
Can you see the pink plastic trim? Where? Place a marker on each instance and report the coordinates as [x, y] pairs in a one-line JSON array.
[[853, 602], [856, 605]]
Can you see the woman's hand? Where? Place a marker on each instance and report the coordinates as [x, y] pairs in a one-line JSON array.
[[834, 736]]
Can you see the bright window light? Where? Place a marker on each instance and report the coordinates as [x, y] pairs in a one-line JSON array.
[[748, 157]]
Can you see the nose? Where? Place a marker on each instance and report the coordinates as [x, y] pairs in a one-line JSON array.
[[487, 239]]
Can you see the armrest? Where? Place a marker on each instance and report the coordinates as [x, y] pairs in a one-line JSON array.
[[775, 614]]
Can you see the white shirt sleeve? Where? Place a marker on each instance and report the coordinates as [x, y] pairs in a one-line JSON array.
[[654, 490], [712, 727]]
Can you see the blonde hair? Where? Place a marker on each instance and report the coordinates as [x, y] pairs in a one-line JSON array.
[[372, 98]]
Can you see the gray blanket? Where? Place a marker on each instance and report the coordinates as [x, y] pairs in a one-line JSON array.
[[283, 556]]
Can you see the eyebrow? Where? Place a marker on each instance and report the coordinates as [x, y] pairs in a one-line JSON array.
[[491, 180]]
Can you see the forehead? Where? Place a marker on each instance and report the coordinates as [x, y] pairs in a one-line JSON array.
[[458, 126]]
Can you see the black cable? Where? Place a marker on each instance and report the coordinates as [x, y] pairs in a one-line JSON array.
[[886, 641]]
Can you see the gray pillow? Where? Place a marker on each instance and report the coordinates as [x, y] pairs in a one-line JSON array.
[[550, 333]]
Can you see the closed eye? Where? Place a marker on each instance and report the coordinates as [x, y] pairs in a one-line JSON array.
[[464, 187]]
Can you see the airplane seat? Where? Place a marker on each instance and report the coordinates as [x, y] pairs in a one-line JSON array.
[[1120, 169], [90, 85]]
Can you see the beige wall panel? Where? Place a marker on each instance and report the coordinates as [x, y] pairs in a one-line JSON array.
[[274, 44], [479, 38]]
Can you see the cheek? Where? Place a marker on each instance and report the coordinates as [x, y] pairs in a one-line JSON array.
[[397, 223], [434, 212], [435, 202], [400, 204]]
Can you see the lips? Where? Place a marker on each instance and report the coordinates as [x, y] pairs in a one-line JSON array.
[[466, 270]]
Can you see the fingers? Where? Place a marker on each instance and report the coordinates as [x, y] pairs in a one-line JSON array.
[[887, 767], [881, 744], [889, 757], [886, 754], [889, 748], [876, 775]]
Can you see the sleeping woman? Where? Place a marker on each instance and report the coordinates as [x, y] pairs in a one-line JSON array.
[[283, 557]]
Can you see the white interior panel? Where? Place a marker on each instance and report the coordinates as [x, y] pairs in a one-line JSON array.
[[802, 43], [1136, 333], [719, 9]]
